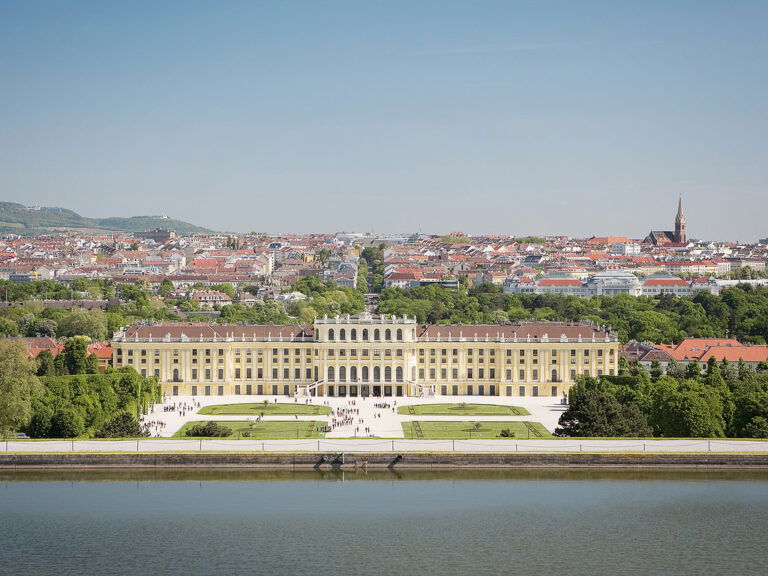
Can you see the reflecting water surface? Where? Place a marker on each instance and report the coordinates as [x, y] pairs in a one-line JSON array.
[[333, 522]]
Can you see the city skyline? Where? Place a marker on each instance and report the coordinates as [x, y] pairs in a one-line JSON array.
[[502, 118]]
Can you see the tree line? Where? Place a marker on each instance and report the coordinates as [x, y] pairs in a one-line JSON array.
[[726, 400], [739, 312]]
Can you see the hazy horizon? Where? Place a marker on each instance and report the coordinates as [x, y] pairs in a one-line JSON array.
[[499, 117]]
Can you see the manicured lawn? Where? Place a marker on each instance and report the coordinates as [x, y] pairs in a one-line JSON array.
[[465, 430], [288, 430], [462, 410], [271, 409]]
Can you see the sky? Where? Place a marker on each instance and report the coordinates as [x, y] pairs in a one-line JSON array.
[[510, 117]]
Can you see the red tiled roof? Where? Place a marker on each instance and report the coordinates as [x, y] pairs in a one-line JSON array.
[[103, 350], [734, 354], [218, 331]]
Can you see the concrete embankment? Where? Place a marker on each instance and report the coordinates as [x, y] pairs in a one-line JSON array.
[[433, 460]]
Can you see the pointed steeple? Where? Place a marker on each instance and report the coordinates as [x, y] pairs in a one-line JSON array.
[[680, 233]]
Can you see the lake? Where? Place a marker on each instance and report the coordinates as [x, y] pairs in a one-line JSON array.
[[450, 523]]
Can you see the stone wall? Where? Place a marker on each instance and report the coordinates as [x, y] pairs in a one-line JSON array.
[[435, 460]]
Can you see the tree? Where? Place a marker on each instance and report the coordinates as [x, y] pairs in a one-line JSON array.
[[225, 288], [46, 327], [686, 408], [19, 386], [123, 425], [595, 411], [67, 423], [92, 364], [757, 427], [45, 364], [692, 370], [656, 371], [165, 288], [674, 369], [8, 327], [76, 355], [81, 323]]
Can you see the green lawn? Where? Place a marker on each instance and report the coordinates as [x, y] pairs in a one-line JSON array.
[[462, 410], [288, 430], [271, 409], [464, 430]]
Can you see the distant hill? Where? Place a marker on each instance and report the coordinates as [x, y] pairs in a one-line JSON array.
[[19, 219]]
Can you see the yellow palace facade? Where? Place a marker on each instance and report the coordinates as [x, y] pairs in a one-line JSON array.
[[367, 355]]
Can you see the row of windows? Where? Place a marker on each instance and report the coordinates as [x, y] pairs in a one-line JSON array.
[[365, 334], [207, 352], [445, 390], [480, 374]]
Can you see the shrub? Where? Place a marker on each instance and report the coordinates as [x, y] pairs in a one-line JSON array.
[[67, 423], [209, 429], [122, 426], [506, 433]]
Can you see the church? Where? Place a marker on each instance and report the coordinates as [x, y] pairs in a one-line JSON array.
[[666, 237]]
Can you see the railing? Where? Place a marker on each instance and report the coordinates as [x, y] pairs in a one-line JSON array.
[[392, 445]]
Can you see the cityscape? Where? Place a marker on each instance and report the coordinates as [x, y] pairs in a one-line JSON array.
[[351, 315], [443, 287]]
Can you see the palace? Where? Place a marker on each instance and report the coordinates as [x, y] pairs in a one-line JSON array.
[[368, 354]]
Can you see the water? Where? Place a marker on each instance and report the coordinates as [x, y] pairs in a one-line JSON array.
[[448, 523]]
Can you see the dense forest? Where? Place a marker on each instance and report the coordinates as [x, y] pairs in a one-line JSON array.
[[727, 400]]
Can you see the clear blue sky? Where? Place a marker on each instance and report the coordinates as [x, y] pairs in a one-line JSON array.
[[537, 117]]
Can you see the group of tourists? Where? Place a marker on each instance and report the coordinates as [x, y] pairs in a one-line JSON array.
[[152, 426], [181, 407], [344, 417]]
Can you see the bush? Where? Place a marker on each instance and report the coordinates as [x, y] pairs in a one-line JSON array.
[[506, 433], [122, 426], [67, 423], [209, 429]]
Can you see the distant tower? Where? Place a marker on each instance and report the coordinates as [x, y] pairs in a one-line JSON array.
[[680, 236]]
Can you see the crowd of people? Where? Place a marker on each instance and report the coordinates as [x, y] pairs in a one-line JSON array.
[[154, 427], [181, 407], [345, 420]]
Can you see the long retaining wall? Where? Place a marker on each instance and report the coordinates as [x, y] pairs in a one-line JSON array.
[[361, 460], [398, 445]]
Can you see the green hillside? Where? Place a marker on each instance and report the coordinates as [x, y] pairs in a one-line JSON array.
[[18, 219]]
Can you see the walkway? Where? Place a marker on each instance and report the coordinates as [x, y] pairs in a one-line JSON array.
[[383, 422]]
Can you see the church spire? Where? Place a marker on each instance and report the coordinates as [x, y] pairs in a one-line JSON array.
[[680, 232]]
